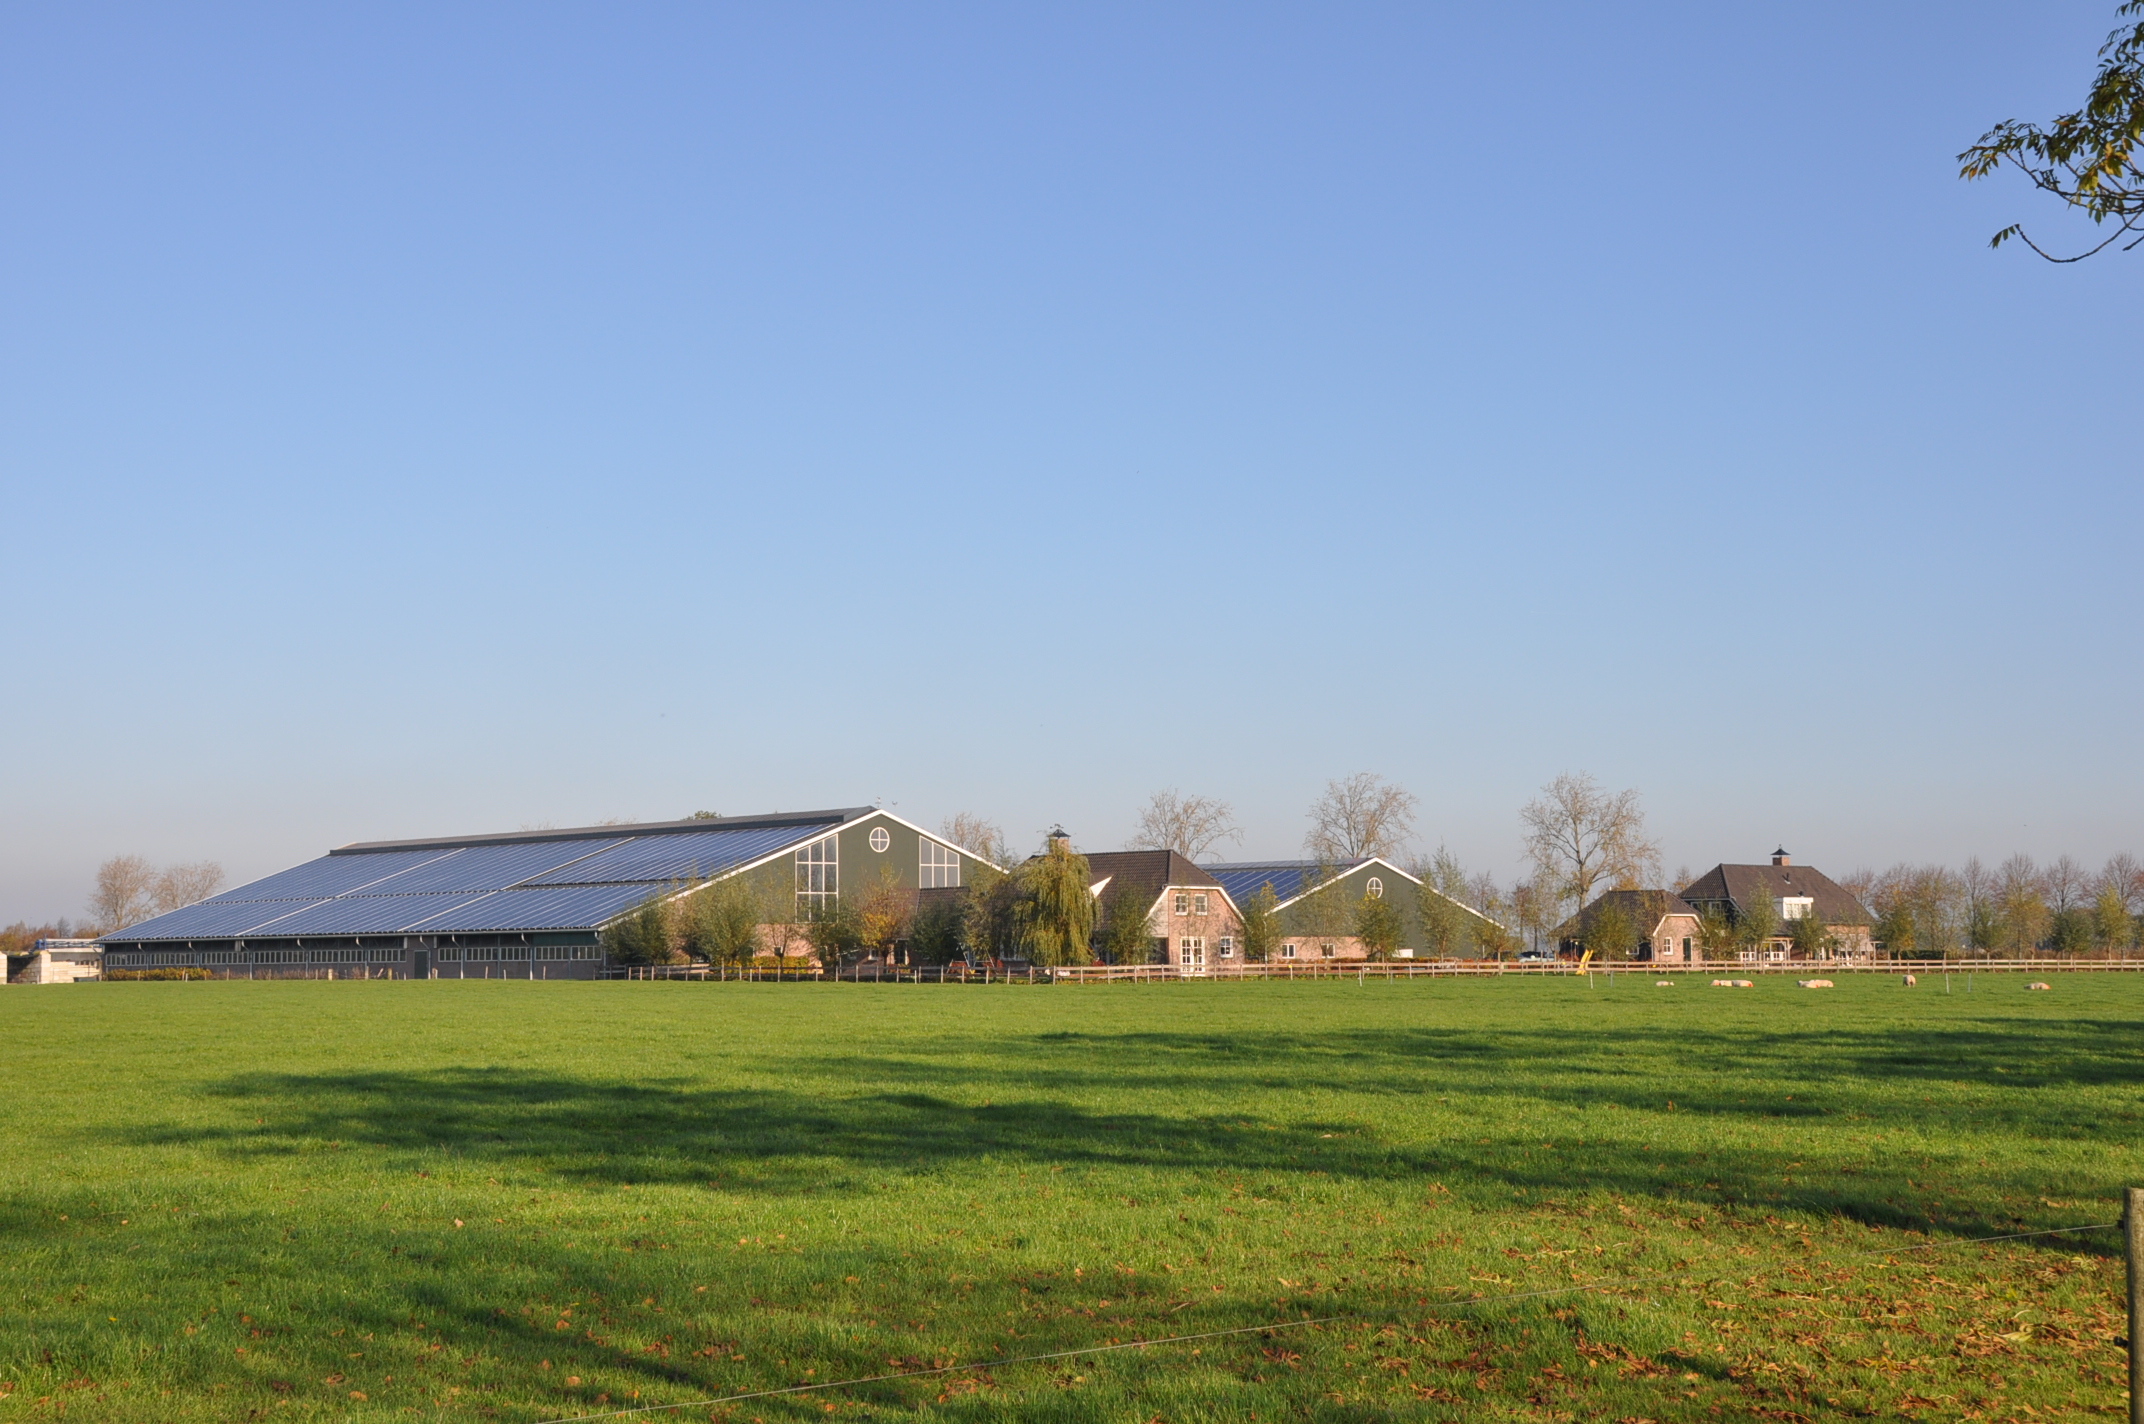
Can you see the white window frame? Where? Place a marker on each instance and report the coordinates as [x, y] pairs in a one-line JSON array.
[[1183, 903], [880, 840], [1191, 949], [1198, 902], [937, 865], [1228, 946], [1287, 951], [818, 872], [1329, 951], [1375, 889]]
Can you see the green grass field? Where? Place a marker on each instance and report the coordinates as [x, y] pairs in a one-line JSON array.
[[525, 1202]]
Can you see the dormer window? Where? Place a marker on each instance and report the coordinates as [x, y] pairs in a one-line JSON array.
[[1198, 904]]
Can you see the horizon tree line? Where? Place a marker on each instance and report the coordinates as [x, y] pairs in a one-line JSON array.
[[1578, 839]]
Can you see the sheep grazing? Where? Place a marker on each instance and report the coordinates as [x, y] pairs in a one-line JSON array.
[[1911, 980], [1816, 983], [1733, 984], [2039, 984]]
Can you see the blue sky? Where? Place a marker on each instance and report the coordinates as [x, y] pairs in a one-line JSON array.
[[435, 419]]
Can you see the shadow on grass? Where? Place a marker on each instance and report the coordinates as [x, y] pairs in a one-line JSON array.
[[1513, 1086]]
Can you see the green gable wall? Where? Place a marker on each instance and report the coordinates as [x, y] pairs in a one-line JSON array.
[[1335, 901]]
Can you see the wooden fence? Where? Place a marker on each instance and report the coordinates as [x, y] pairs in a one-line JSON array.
[[1363, 971], [1491, 968]]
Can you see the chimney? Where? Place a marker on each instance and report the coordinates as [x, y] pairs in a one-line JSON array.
[[1058, 838], [1780, 857]]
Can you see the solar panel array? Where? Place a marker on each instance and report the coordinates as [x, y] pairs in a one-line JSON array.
[[571, 883], [1289, 878]]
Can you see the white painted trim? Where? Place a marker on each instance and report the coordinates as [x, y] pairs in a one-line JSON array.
[[815, 833]]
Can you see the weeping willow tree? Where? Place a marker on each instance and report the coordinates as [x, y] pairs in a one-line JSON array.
[[1060, 908]]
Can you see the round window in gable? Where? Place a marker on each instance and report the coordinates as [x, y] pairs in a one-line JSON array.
[[879, 839], [1375, 889]]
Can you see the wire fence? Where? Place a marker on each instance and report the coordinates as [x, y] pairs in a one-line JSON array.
[[1472, 1302]]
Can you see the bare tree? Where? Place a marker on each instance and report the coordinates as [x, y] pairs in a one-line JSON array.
[[1188, 825], [1364, 815], [978, 837], [2020, 905], [1978, 885], [125, 894], [2126, 879], [1483, 895], [2066, 884], [183, 885], [1531, 911], [1578, 836]]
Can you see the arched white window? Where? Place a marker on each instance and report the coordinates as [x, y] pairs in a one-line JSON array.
[[880, 840], [1375, 889]]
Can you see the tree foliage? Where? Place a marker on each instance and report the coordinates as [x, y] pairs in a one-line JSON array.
[[1188, 825], [1060, 908], [1321, 911], [883, 913], [1757, 922], [2087, 158], [1447, 926], [1127, 936], [2020, 907], [720, 923], [1261, 924], [1610, 933], [1718, 937], [993, 913], [834, 929], [643, 934], [935, 931], [1378, 925], [1811, 938]]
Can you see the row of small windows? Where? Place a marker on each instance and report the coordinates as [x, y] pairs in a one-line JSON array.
[[493, 953], [202, 958], [1191, 949]]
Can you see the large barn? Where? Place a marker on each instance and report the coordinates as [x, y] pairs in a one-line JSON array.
[[521, 905]]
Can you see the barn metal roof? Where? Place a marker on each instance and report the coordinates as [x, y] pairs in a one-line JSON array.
[[517, 882]]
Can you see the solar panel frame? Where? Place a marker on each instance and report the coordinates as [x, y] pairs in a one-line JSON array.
[[329, 875], [1242, 883], [211, 920], [657, 859], [565, 907], [368, 914], [472, 870]]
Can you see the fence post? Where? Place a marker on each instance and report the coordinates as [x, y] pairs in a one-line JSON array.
[[2133, 1236]]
